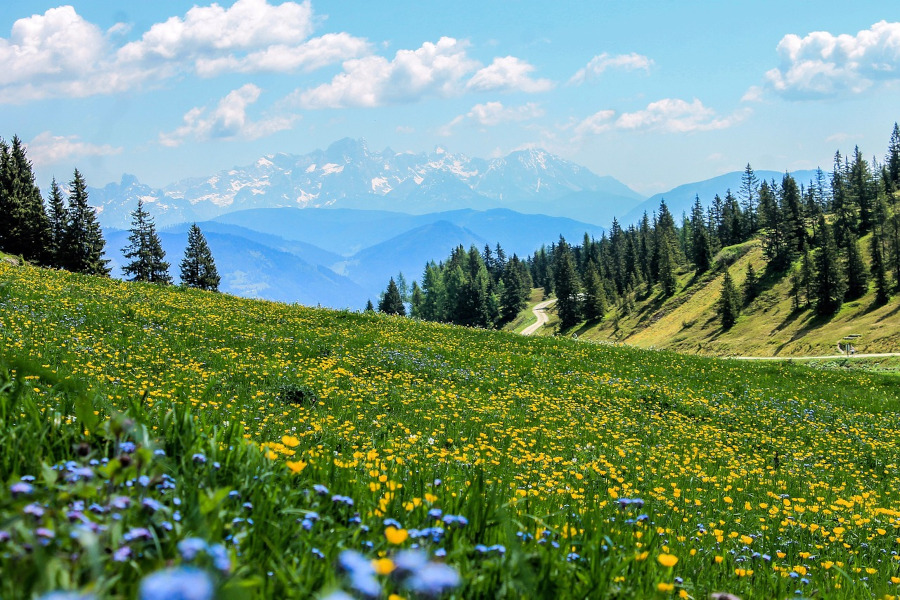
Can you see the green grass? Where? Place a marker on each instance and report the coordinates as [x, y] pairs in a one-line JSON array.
[[536, 442]]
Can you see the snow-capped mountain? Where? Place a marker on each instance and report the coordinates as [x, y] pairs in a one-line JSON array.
[[349, 175]]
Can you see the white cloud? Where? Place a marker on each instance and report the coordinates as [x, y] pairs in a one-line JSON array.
[[595, 124], [48, 149], [823, 65], [227, 121], [508, 74], [61, 54], [753, 94], [491, 114], [669, 115], [431, 70], [602, 62]]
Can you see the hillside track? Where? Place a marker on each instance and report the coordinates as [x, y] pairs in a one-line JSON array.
[[540, 311]]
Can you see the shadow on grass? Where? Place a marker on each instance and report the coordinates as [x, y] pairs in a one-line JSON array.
[[813, 322]]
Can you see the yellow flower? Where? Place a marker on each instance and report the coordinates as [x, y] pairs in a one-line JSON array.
[[296, 466], [746, 539], [665, 587], [395, 536], [667, 560], [719, 559], [383, 566], [290, 441]]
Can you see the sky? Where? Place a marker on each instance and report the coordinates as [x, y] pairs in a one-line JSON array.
[[654, 93]]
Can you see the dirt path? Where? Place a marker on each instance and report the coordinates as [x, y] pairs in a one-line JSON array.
[[832, 356], [540, 311]]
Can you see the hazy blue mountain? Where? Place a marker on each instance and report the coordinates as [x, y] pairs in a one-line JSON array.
[[349, 175], [681, 198], [254, 270], [346, 232], [407, 253]]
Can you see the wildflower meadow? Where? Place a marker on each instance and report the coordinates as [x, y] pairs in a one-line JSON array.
[[159, 442]]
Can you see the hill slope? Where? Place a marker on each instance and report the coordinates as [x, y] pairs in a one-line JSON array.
[[768, 326], [543, 468]]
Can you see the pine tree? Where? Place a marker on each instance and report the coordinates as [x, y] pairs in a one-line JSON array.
[[794, 225], [391, 303], [514, 297], [59, 220], [879, 271], [751, 285], [857, 276], [829, 287], [565, 282], [594, 296], [144, 250], [84, 244], [893, 159], [807, 279], [369, 306], [749, 197], [862, 192], [700, 249], [729, 304], [24, 227], [198, 268], [416, 300]]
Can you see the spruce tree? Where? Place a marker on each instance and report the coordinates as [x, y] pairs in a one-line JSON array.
[[514, 297], [700, 248], [893, 159], [566, 284], [416, 300], [391, 303], [369, 306], [24, 227], [749, 198], [594, 295], [144, 250], [857, 275], [198, 268], [729, 303], [58, 215], [829, 287], [751, 285], [879, 271], [84, 244], [807, 279]]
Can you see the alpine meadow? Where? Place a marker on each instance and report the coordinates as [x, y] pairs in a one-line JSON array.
[[303, 299]]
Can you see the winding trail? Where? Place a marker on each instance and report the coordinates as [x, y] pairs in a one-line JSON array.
[[540, 311]]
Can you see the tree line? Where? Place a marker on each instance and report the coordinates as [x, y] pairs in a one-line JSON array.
[[64, 233], [471, 287], [810, 232]]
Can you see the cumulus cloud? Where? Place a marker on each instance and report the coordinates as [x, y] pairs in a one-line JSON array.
[[508, 74], [602, 62], [49, 149], [823, 65], [227, 121], [431, 70], [669, 115], [491, 114], [59, 53]]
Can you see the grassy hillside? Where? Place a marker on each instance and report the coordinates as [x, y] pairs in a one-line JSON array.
[[768, 326], [540, 468]]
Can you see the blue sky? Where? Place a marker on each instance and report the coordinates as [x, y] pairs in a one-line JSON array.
[[653, 93]]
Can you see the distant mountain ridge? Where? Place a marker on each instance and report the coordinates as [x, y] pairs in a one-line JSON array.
[[349, 175]]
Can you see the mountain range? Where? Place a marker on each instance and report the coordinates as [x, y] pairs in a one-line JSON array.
[[343, 257], [350, 175]]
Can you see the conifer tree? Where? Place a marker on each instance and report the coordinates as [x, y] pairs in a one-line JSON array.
[[416, 300], [566, 284], [24, 227], [794, 225], [700, 249], [862, 192], [198, 268], [749, 197], [751, 285], [391, 303], [84, 244], [857, 275], [369, 306], [58, 216], [594, 295], [729, 303], [879, 271], [807, 279], [893, 159], [514, 297], [830, 286], [144, 250]]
